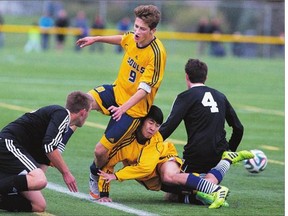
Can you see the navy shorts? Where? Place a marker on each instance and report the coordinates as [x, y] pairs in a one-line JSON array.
[[116, 131]]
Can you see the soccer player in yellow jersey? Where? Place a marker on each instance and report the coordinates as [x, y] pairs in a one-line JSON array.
[[152, 162], [131, 95]]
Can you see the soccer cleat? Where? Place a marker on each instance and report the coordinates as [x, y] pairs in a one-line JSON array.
[[220, 197], [93, 186], [208, 199], [235, 157]]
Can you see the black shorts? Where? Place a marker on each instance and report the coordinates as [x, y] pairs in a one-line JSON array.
[[14, 158], [200, 166]]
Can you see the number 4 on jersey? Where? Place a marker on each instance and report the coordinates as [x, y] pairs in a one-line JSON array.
[[209, 101]]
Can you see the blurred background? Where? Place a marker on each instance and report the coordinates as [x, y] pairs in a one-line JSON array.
[[246, 28]]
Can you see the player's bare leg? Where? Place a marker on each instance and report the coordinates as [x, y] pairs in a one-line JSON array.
[[101, 155], [38, 202], [101, 158]]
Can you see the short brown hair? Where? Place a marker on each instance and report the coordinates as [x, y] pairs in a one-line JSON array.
[[77, 101], [196, 71], [149, 14]]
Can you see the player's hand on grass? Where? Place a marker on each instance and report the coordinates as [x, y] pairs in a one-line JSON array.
[[70, 182]]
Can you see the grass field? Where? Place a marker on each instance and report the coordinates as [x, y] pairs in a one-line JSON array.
[[254, 86]]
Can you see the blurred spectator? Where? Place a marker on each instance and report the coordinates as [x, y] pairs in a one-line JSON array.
[[33, 42], [97, 24], [123, 26], [62, 21], [53, 7], [81, 22], [202, 28], [46, 22], [250, 49], [278, 50], [216, 47], [1, 34], [237, 47]]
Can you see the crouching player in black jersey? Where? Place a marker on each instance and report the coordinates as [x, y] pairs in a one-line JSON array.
[[30, 144], [204, 111]]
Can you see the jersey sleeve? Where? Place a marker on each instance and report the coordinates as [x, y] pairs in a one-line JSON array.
[[65, 139], [178, 111], [124, 39], [237, 128], [56, 128]]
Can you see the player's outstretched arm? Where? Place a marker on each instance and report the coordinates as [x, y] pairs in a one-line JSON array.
[[87, 41], [83, 42]]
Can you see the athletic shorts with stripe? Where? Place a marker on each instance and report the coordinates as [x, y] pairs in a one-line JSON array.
[[116, 131], [14, 158]]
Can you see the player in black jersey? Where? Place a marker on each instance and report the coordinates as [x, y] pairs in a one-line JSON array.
[[204, 111], [30, 144]]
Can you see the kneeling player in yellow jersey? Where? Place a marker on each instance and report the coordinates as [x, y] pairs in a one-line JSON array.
[[153, 163]]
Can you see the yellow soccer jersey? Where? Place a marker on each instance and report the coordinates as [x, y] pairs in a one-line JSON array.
[[147, 159], [140, 161], [145, 64]]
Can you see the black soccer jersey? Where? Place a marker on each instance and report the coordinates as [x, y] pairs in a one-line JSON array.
[[204, 111], [40, 131]]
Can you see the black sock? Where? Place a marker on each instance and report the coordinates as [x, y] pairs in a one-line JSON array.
[[15, 203], [93, 169], [13, 183]]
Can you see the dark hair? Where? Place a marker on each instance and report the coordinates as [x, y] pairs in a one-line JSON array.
[[196, 70], [156, 114], [77, 101], [149, 14]]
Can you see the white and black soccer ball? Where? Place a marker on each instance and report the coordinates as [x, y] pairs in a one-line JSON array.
[[256, 164]]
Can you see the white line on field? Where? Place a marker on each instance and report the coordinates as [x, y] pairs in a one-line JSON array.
[[260, 110], [43, 214], [114, 205]]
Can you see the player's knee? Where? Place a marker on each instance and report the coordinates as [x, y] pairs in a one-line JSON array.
[[42, 180], [37, 179], [169, 172], [40, 206], [100, 150], [167, 179]]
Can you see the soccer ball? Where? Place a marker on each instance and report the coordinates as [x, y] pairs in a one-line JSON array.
[[256, 164]]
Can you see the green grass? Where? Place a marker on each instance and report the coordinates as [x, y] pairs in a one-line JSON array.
[[254, 86]]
